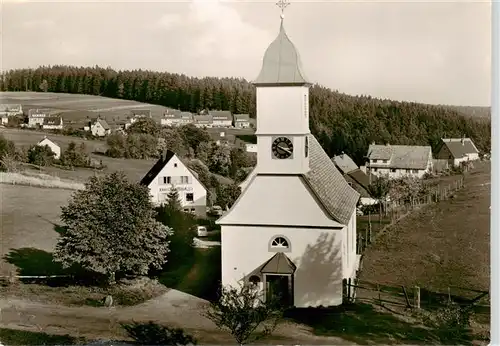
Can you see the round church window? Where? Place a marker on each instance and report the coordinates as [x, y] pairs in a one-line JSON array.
[[279, 242]]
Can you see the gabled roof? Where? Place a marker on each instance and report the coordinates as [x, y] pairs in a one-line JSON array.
[[202, 118], [399, 156], [186, 115], [221, 115], [103, 123], [241, 117], [160, 164], [145, 112], [344, 163], [328, 184], [361, 180], [172, 113], [52, 120], [281, 63], [459, 147], [9, 107], [47, 139]]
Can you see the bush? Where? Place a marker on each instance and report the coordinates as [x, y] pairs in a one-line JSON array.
[[154, 334]]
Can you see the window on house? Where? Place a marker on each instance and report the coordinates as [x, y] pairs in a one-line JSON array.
[[384, 161], [186, 210], [192, 210], [280, 243], [415, 171], [167, 180], [175, 165], [184, 179], [375, 169], [408, 171], [375, 161], [189, 197], [393, 170], [254, 279]]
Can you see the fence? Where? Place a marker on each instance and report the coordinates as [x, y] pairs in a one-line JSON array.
[[396, 210], [393, 295]]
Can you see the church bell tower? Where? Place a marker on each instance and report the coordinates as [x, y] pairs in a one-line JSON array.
[[282, 109]]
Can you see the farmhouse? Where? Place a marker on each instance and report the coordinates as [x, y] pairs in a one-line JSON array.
[[397, 161], [457, 150], [10, 110], [241, 121], [170, 172], [52, 123], [355, 177], [173, 117], [221, 118], [56, 149], [100, 128], [292, 231], [36, 117], [202, 121]]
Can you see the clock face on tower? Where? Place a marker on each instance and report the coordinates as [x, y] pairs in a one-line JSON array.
[[282, 148]]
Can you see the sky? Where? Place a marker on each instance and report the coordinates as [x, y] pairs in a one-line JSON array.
[[436, 52]]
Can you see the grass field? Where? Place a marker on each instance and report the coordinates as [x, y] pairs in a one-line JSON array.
[[442, 245], [75, 109]]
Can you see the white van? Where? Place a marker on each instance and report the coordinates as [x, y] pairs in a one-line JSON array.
[[202, 231]]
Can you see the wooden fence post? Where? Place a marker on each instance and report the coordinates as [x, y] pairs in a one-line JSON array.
[[349, 290], [416, 297]]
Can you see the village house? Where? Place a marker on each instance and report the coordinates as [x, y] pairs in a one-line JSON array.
[[100, 128], [292, 232], [10, 110], [56, 149], [202, 120], [398, 161], [170, 172], [174, 118], [36, 117], [457, 150], [4, 119], [241, 121], [52, 123], [221, 118], [355, 177]]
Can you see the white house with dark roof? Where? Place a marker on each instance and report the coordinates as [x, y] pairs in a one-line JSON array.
[[221, 118], [202, 120], [174, 117], [56, 149], [36, 117], [457, 150], [241, 121], [100, 128], [170, 172], [10, 110], [398, 161], [53, 123], [292, 231]]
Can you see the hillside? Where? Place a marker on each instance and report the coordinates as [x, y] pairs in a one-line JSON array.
[[340, 122], [472, 111]]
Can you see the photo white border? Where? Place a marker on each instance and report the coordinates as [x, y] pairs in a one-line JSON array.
[[495, 176]]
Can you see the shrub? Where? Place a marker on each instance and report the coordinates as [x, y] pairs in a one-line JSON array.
[[154, 334]]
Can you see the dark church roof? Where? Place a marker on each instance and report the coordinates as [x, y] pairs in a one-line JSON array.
[[328, 184]]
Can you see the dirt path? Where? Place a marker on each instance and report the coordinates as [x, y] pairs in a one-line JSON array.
[[173, 308]]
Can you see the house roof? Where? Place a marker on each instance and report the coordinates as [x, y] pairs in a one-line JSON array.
[[400, 156], [4, 107], [221, 115], [103, 123], [52, 121], [459, 148], [186, 115], [281, 63], [361, 179], [344, 163], [202, 118], [47, 139], [241, 117], [328, 184], [160, 164], [38, 111], [172, 113]]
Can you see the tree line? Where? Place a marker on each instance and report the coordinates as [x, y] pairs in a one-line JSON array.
[[342, 123]]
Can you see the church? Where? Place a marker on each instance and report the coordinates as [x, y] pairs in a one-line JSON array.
[[292, 231]]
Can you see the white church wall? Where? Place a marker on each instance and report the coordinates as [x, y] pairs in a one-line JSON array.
[[315, 252], [284, 109]]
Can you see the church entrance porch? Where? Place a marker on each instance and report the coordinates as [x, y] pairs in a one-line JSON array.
[[279, 287]]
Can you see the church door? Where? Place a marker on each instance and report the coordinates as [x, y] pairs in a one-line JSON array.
[[279, 287]]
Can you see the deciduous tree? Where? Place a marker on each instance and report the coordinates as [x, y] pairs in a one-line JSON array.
[[110, 228], [40, 155]]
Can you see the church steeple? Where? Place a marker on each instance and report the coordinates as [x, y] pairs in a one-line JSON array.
[[281, 64]]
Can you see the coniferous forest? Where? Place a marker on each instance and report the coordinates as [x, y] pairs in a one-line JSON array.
[[342, 123]]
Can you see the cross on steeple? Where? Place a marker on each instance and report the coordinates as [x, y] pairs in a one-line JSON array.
[[282, 4]]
